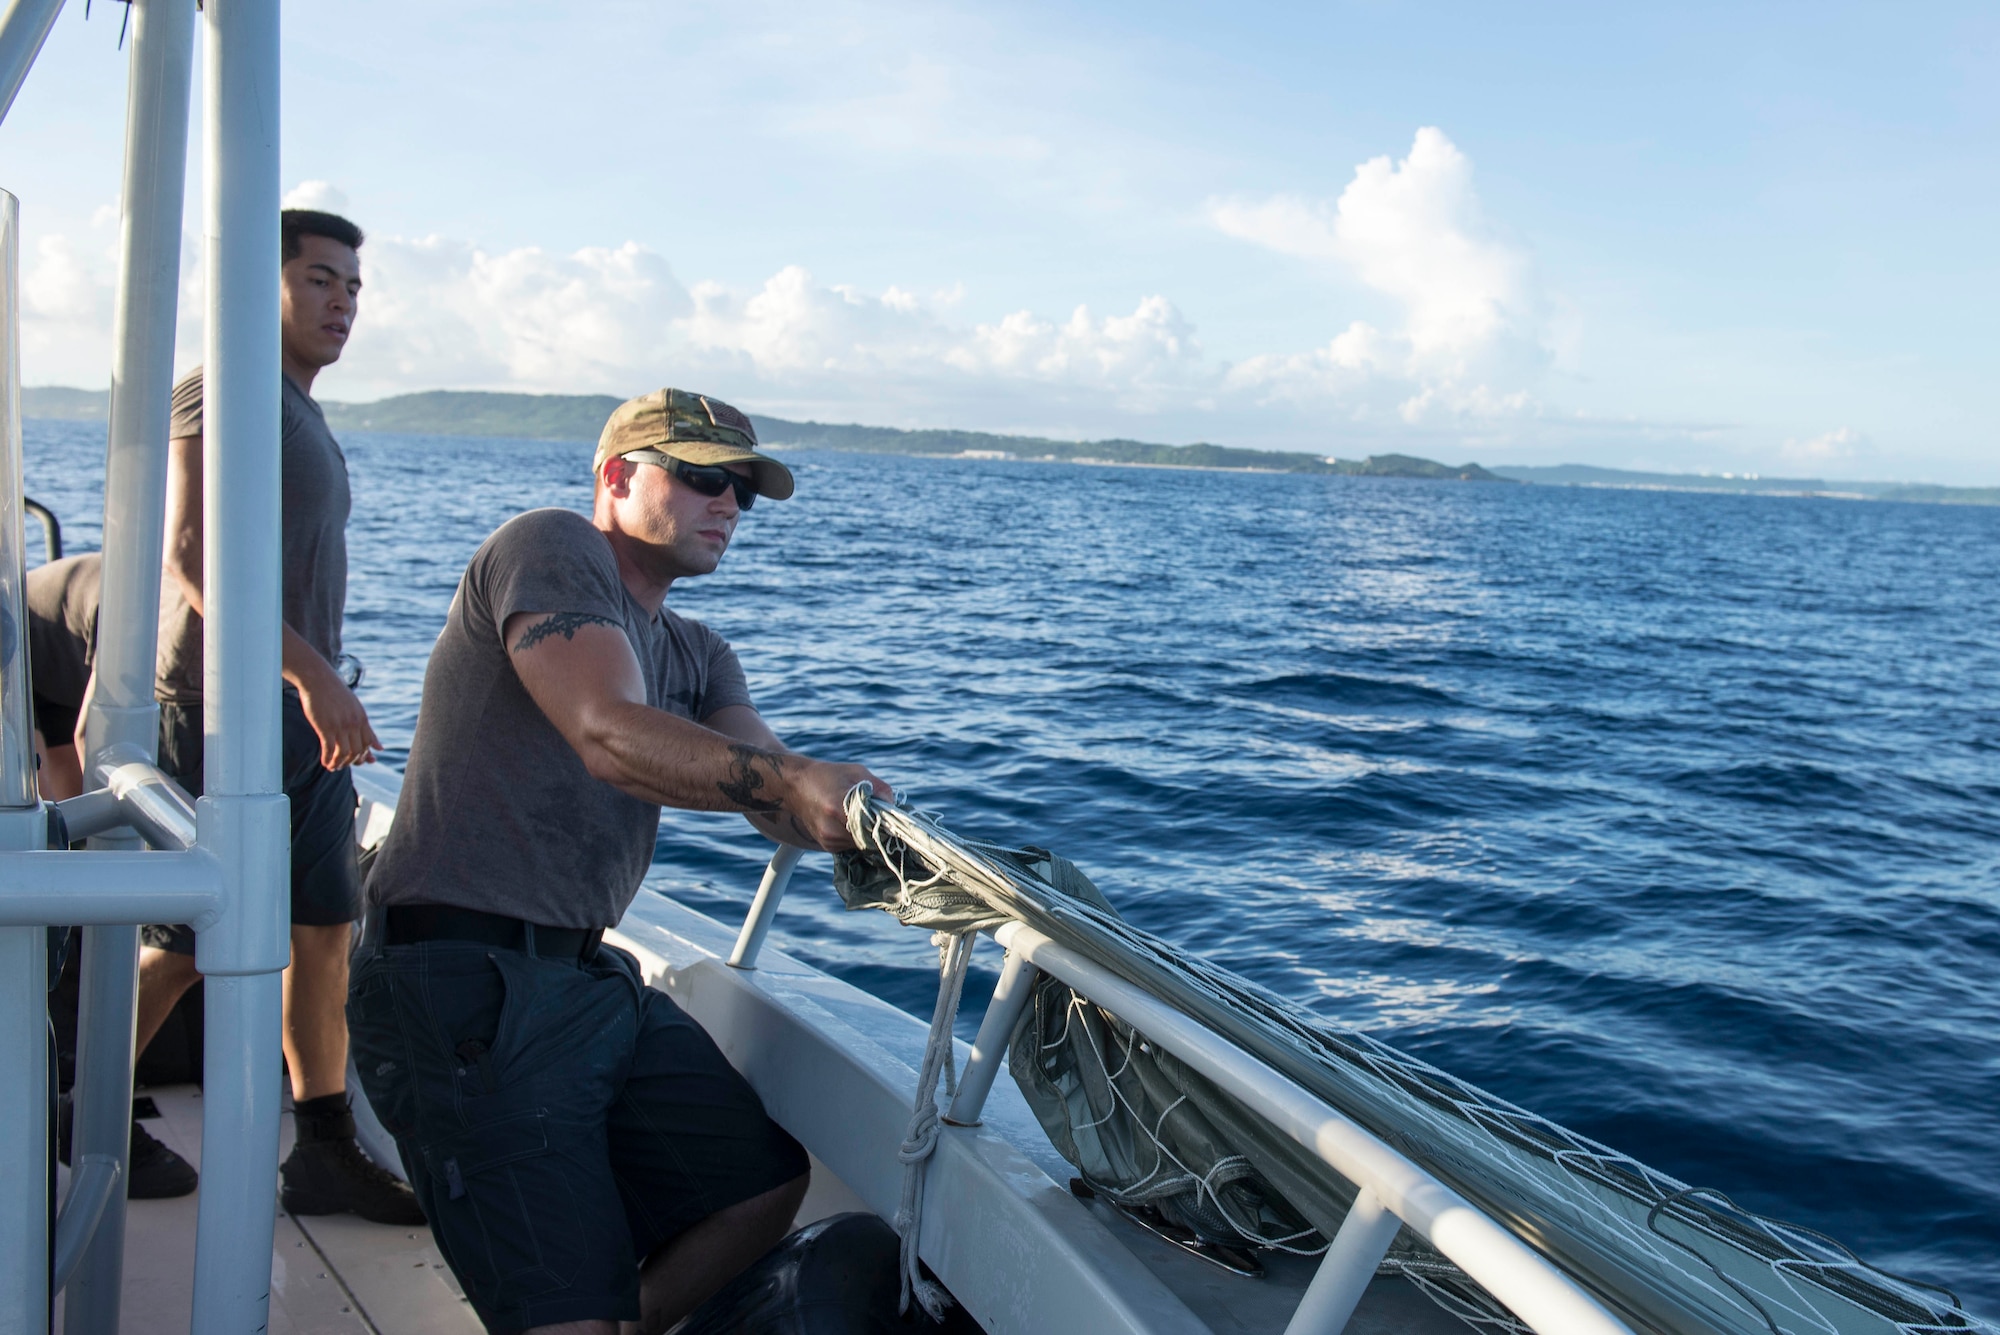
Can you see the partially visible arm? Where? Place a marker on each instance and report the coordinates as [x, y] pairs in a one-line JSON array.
[[183, 558], [747, 725], [336, 714], [581, 671]]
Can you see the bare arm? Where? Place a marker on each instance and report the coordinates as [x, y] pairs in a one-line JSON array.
[[747, 725], [582, 673], [183, 558], [336, 714]]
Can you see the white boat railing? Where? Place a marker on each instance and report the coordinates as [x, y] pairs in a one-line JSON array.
[[219, 865], [1393, 1190]]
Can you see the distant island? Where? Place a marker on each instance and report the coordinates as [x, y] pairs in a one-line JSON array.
[[580, 417]]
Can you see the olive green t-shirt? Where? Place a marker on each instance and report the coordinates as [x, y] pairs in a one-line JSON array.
[[497, 811], [315, 505]]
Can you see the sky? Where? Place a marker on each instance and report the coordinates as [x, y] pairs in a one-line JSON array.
[[1692, 238]]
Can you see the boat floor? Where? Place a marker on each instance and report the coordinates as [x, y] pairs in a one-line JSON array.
[[330, 1274]]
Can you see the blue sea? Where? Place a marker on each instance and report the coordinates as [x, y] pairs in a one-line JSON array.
[[1673, 817]]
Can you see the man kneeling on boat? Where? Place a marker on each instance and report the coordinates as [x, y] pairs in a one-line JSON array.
[[585, 1153]]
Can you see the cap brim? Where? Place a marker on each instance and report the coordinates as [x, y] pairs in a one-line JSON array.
[[773, 479]]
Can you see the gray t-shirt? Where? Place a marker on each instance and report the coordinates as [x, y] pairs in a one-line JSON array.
[[62, 629], [315, 505], [498, 812]]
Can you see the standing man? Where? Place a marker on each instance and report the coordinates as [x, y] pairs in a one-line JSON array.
[[325, 728], [584, 1151]]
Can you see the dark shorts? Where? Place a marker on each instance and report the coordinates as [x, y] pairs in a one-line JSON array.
[[326, 872], [558, 1121], [55, 722]]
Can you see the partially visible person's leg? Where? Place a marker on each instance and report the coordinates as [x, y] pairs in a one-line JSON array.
[[326, 1172], [502, 1124], [58, 770], [164, 978], [166, 953], [686, 1272], [710, 1182], [316, 1010], [153, 1171]]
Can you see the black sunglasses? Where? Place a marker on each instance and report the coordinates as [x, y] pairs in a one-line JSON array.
[[708, 479]]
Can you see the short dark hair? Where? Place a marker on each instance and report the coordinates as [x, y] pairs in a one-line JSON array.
[[296, 223]]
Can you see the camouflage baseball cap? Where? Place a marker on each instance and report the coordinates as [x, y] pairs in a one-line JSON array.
[[693, 427]]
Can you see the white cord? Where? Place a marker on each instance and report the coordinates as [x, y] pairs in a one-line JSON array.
[[920, 1140]]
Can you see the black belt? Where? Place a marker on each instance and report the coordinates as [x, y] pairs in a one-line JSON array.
[[408, 924]]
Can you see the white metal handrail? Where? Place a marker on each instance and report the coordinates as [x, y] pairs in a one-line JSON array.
[[764, 908], [1515, 1274], [1393, 1191]]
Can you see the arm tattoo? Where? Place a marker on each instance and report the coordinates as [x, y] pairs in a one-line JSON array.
[[744, 786], [565, 624]]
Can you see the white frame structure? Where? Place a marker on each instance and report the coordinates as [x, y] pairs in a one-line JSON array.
[[219, 864], [1394, 1191]]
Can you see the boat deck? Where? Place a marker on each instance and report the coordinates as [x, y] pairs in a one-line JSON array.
[[330, 1274]]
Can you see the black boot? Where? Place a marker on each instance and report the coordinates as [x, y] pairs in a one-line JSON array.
[[326, 1172], [156, 1171], [152, 1171]]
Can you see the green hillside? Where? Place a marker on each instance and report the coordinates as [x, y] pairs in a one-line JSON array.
[[64, 404], [445, 412], [581, 416]]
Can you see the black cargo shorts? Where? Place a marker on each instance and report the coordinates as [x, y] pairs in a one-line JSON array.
[[326, 868], [558, 1120]]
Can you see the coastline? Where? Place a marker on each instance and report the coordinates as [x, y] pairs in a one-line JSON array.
[[505, 416]]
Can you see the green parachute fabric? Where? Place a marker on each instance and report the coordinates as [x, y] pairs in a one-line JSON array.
[[1140, 1126]]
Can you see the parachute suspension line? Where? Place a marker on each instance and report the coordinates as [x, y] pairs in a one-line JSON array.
[[920, 1140], [1223, 1171]]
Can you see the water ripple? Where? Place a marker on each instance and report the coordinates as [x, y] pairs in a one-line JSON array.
[[1674, 817]]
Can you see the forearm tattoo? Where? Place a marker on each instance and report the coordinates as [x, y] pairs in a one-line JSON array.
[[746, 781], [565, 624]]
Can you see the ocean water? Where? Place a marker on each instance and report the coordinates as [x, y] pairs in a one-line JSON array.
[[1675, 818]]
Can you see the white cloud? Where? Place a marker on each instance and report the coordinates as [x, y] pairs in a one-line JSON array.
[[321, 195], [1833, 446], [437, 312], [445, 312], [442, 312], [1471, 337], [69, 286]]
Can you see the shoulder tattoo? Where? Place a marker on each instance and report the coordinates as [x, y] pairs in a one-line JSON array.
[[565, 624]]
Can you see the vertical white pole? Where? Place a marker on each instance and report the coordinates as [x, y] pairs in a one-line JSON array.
[[17, 744], [1010, 998], [770, 893], [22, 31], [108, 971], [142, 371], [24, 1051], [1347, 1269], [243, 817], [122, 710], [24, 1112]]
